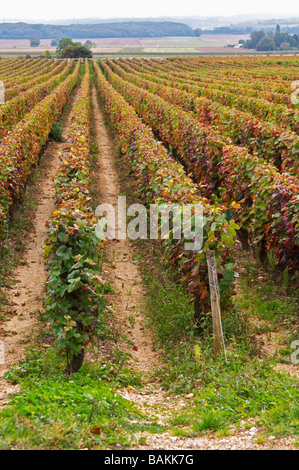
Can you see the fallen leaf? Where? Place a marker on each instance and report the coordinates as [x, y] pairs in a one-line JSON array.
[[97, 430]]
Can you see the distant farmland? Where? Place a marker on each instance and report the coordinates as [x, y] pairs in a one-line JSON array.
[[167, 45]]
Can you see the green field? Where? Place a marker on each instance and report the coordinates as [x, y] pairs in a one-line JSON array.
[[166, 50]]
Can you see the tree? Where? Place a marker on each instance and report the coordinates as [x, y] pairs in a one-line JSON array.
[[63, 43], [34, 42], [247, 44], [284, 46], [197, 32], [281, 40], [98, 30], [296, 40], [89, 44], [278, 36], [266, 44], [47, 54], [255, 38], [75, 52], [54, 43]]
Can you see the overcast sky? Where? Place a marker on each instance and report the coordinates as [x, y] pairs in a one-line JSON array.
[[65, 9]]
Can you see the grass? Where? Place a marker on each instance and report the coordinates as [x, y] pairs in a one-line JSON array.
[[271, 314], [245, 386], [272, 302], [54, 411]]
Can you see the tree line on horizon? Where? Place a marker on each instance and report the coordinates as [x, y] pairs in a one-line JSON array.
[[271, 41], [79, 31]]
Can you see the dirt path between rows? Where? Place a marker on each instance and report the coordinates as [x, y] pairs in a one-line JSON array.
[[123, 274], [121, 269], [26, 296]]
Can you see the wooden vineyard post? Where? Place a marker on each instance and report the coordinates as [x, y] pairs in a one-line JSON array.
[[218, 340]]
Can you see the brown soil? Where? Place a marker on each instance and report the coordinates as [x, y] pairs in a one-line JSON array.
[[121, 270]]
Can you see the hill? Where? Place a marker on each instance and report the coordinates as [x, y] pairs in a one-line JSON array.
[[80, 31]]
